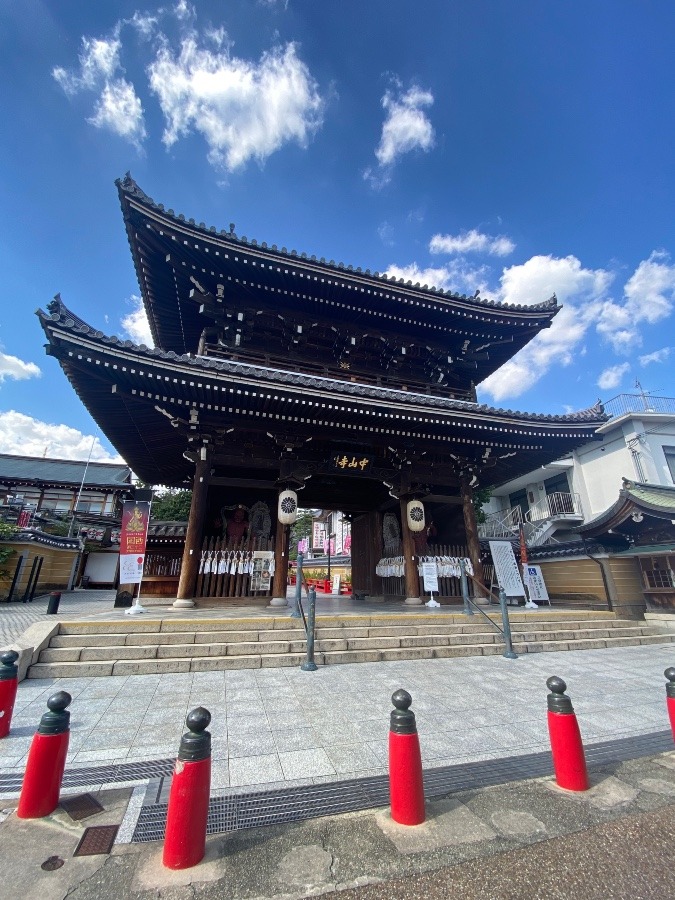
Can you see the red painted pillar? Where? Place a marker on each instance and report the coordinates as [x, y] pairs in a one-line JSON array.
[[670, 696], [406, 786], [569, 761], [46, 761], [185, 836], [8, 685]]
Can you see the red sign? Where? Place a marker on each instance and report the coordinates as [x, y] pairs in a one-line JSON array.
[[523, 547], [135, 520]]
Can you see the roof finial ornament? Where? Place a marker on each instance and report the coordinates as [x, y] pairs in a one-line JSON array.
[[231, 227]]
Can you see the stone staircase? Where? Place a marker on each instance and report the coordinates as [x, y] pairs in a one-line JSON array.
[[165, 645]]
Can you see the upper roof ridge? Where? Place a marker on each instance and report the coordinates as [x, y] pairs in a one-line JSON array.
[[127, 185]]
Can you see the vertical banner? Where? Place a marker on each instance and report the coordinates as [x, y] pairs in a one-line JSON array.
[[135, 521]]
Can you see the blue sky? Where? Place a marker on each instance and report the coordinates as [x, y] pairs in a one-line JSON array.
[[517, 148]]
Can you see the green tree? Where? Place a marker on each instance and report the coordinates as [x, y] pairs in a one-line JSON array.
[[301, 528], [480, 498], [6, 550], [171, 505]]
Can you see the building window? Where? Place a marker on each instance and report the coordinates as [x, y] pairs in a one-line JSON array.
[[669, 453], [658, 572]]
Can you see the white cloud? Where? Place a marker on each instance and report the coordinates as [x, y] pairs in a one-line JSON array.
[[406, 128], [648, 297], [13, 367], [472, 241], [25, 436], [457, 275], [118, 108], [540, 277], [611, 377], [657, 356], [244, 110], [136, 325], [581, 290]]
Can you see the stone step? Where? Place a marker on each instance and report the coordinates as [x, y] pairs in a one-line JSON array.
[[544, 620], [241, 631], [291, 654], [198, 645]]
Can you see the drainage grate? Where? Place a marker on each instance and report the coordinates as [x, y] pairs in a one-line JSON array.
[[120, 772], [81, 806], [97, 840], [294, 804]]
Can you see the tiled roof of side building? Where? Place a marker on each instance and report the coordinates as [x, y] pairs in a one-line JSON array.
[[63, 471]]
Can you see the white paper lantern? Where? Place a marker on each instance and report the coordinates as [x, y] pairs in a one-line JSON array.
[[415, 515], [288, 507]]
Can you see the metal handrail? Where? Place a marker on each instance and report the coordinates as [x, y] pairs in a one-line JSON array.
[[482, 611], [506, 633]]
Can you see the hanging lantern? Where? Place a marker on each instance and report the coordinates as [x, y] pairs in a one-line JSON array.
[[415, 515], [288, 507]]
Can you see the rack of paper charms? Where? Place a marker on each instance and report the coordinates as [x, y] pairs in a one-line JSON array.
[[391, 570], [241, 569]]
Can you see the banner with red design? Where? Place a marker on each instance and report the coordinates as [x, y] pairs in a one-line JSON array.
[[133, 536]]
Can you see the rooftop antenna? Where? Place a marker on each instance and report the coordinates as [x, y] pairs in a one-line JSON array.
[[646, 401], [79, 493]]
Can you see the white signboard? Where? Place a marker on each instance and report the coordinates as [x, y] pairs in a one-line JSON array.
[[535, 583], [506, 568], [430, 576], [336, 584]]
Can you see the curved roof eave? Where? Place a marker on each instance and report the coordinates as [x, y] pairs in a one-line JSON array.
[[129, 189], [61, 315]]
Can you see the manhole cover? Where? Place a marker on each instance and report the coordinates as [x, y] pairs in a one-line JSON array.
[[96, 840], [53, 862], [81, 807]]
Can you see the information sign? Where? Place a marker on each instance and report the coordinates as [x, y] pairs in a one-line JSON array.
[[506, 568], [535, 583]]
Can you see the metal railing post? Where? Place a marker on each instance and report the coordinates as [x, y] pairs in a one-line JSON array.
[[309, 665], [295, 611], [465, 588], [508, 651]]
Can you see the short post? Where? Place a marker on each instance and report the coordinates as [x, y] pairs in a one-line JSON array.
[[53, 603], [9, 680], [188, 810], [465, 588], [309, 665], [509, 652], [569, 762], [670, 696], [295, 611], [406, 785], [46, 760]]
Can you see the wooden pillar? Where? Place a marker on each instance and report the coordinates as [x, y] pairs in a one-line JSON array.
[[193, 539], [412, 578], [281, 547], [471, 527]]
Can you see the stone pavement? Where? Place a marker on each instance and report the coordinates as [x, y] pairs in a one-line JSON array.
[[283, 725], [16, 617], [515, 841]]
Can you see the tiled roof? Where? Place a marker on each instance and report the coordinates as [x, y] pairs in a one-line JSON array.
[[128, 186], [61, 315], [63, 471]]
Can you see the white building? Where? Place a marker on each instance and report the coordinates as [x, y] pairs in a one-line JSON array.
[[637, 442]]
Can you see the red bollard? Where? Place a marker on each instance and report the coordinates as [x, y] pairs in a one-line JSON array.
[[46, 760], [670, 696], [569, 762], [406, 786], [8, 685], [185, 835]]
